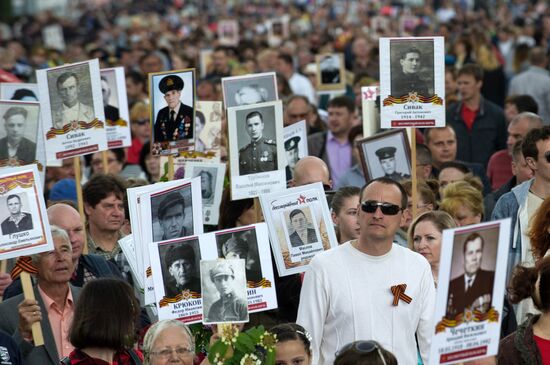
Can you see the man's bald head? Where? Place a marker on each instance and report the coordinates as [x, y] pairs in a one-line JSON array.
[[66, 217], [311, 169]]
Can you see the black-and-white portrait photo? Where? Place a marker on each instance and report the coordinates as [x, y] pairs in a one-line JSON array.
[[110, 95], [224, 291], [173, 106], [256, 140], [472, 272], [180, 266], [249, 89], [208, 177], [23, 94], [242, 245], [71, 98], [292, 156], [19, 133], [172, 214], [386, 154], [300, 227], [329, 65], [18, 220], [412, 67]]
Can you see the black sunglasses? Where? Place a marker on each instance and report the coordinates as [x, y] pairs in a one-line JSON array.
[[370, 206], [362, 347]]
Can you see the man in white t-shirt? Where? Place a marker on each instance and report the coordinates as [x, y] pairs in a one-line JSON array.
[[299, 84], [347, 291]]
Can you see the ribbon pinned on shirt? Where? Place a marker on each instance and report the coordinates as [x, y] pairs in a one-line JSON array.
[[399, 293]]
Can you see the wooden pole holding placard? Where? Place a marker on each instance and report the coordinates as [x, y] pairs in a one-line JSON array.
[[28, 292], [414, 181], [170, 167], [78, 183], [105, 161], [3, 269], [258, 214]]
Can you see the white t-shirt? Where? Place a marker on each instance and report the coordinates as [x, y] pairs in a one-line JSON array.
[[346, 296]]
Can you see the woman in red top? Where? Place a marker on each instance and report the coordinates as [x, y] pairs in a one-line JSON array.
[[102, 330], [530, 344]]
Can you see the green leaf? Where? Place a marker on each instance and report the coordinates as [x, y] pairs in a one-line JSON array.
[[245, 343], [270, 358], [217, 348]]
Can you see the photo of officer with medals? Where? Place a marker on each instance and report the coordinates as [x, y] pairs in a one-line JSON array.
[[175, 121], [260, 154]]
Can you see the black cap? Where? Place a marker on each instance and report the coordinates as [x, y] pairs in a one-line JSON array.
[[170, 82], [182, 251], [168, 202], [385, 152], [292, 143]]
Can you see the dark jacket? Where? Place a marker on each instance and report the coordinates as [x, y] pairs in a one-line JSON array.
[[9, 227], [181, 128], [26, 152], [520, 347], [487, 136], [459, 299], [9, 352], [111, 113]]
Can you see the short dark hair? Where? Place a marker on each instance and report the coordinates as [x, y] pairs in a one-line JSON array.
[[471, 237], [529, 146], [10, 197], [100, 186], [523, 103], [342, 102], [286, 58], [472, 69], [295, 212], [409, 50], [455, 165], [427, 132], [15, 110], [423, 154], [351, 356], [354, 132], [292, 332], [105, 315], [387, 181], [169, 201], [64, 77], [254, 114], [343, 193]]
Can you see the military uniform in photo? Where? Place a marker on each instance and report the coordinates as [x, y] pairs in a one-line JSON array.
[[406, 83], [389, 152], [173, 125], [291, 144], [258, 156], [230, 307]]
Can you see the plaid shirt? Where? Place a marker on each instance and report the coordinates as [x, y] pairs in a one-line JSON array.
[[116, 255]]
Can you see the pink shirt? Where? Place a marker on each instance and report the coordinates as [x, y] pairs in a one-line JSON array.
[[60, 322]]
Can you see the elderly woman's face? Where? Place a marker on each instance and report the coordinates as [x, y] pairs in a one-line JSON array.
[[169, 348]]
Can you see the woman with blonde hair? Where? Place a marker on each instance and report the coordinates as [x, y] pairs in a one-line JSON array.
[[463, 202]]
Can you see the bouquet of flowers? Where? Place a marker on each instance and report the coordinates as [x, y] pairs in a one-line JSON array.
[[255, 346]]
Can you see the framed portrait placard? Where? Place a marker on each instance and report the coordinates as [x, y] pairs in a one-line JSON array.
[[249, 89], [19, 91], [228, 32], [256, 149], [332, 72], [412, 82], [115, 105], [208, 129], [370, 102], [169, 211], [295, 141], [71, 110], [299, 226], [386, 154], [24, 225], [211, 179], [224, 291], [172, 95], [205, 60], [470, 292], [277, 30]]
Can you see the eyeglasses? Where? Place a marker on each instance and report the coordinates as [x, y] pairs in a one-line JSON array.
[[166, 353], [363, 347], [370, 206]]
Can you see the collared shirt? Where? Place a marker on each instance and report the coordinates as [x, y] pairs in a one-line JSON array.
[[71, 113], [468, 280], [12, 149], [17, 219], [60, 321], [115, 255], [339, 155], [175, 110]]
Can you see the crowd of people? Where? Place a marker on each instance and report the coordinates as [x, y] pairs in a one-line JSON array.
[[490, 161]]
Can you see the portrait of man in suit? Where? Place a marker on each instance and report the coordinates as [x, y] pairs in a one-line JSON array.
[[302, 234], [182, 273], [472, 290], [18, 221], [72, 109], [175, 121], [111, 112], [15, 146]]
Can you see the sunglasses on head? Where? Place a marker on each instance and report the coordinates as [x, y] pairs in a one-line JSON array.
[[370, 206], [362, 347]]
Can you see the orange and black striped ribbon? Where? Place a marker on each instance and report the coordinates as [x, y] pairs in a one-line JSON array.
[[23, 263], [399, 293]]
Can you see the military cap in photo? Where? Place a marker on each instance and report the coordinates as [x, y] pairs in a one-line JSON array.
[[168, 202], [222, 268], [170, 82], [292, 143], [180, 252], [234, 244], [385, 152]]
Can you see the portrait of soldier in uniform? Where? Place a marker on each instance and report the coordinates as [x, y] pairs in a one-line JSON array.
[[179, 264], [72, 109], [386, 155], [18, 221], [230, 307], [111, 112], [301, 233], [408, 79], [473, 289], [260, 155], [242, 245], [292, 156], [171, 216], [175, 121], [207, 186], [15, 146]]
